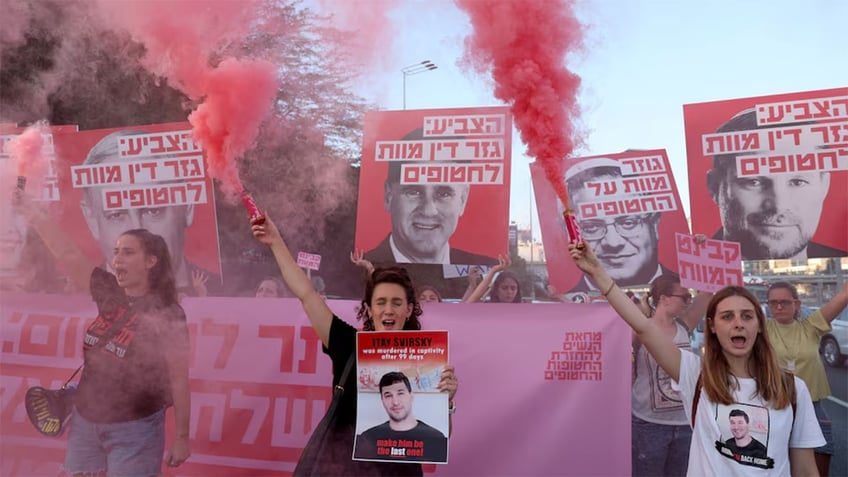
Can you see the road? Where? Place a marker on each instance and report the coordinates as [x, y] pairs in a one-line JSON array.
[[837, 408]]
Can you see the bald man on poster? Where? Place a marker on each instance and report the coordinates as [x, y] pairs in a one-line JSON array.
[[169, 221], [424, 217]]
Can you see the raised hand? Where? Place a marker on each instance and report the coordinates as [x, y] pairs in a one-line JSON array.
[[266, 232], [198, 282], [584, 258], [357, 258], [503, 263]]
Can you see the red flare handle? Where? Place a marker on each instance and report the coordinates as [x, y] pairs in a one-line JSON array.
[[571, 227], [20, 188], [254, 214]]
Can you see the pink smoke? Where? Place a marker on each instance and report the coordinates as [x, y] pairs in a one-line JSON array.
[[524, 45], [238, 98], [373, 30], [184, 40], [27, 150]]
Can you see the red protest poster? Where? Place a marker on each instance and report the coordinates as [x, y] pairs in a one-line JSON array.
[[152, 177], [708, 266], [25, 264], [401, 414], [628, 210], [771, 172], [434, 186]]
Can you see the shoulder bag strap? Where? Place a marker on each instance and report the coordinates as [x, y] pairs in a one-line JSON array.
[[695, 400], [338, 389], [113, 330]]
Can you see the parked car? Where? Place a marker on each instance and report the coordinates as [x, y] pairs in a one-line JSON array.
[[834, 345]]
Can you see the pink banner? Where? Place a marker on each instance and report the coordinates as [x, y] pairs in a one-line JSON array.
[[532, 377], [708, 266]]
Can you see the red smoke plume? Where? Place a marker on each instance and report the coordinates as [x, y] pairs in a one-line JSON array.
[[27, 150], [183, 40], [524, 45]]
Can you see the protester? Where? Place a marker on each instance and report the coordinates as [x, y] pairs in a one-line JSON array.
[[739, 368], [270, 287], [389, 304], [506, 288], [796, 342], [170, 221], [118, 423], [397, 398], [660, 426], [475, 276], [428, 294]]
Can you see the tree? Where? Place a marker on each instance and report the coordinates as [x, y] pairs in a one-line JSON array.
[[302, 169]]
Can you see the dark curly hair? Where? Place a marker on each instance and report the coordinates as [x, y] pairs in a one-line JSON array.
[[400, 277]]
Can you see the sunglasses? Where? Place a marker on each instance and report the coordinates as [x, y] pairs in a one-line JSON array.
[[683, 296]]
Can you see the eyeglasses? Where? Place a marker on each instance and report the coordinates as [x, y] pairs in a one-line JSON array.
[[683, 296], [780, 303], [627, 226]]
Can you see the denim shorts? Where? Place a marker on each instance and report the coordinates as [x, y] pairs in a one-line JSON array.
[[825, 424], [122, 449], [659, 449]]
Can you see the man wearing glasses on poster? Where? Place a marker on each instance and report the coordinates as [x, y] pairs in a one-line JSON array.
[[625, 245]]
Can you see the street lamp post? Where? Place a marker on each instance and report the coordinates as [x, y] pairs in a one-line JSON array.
[[415, 69]]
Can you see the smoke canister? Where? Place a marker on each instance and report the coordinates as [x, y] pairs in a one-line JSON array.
[[254, 214], [20, 188], [571, 227]]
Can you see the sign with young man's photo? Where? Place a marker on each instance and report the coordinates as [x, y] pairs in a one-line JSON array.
[[401, 414]]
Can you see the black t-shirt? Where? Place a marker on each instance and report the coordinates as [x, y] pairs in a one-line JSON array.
[[339, 449], [421, 443], [754, 448], [128, 377]]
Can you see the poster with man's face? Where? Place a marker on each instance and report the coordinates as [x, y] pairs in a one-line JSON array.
[[771, 173], [628, 210], [152, 177], [434, 186], [22, 256]]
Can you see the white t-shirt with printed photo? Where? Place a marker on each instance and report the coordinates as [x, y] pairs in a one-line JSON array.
[[711, 453]]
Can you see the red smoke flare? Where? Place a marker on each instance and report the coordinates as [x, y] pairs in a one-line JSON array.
[[27, 150], [239, 96], [182, 40], [524, 44]]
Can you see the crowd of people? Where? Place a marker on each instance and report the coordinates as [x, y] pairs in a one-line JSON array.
[[688, 411]]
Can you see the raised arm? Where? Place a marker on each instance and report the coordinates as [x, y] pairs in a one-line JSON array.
[[483, 287], [659, 344], [834, 307], [319, 314], [357, 257], [474, 277], [695, 312], [74, 262]]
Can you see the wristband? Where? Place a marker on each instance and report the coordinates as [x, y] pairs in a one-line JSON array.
[[612, 285], [451, 407]]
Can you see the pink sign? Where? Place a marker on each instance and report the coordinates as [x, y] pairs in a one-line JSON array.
[[531, 376], [708, 266], [308, 260]]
